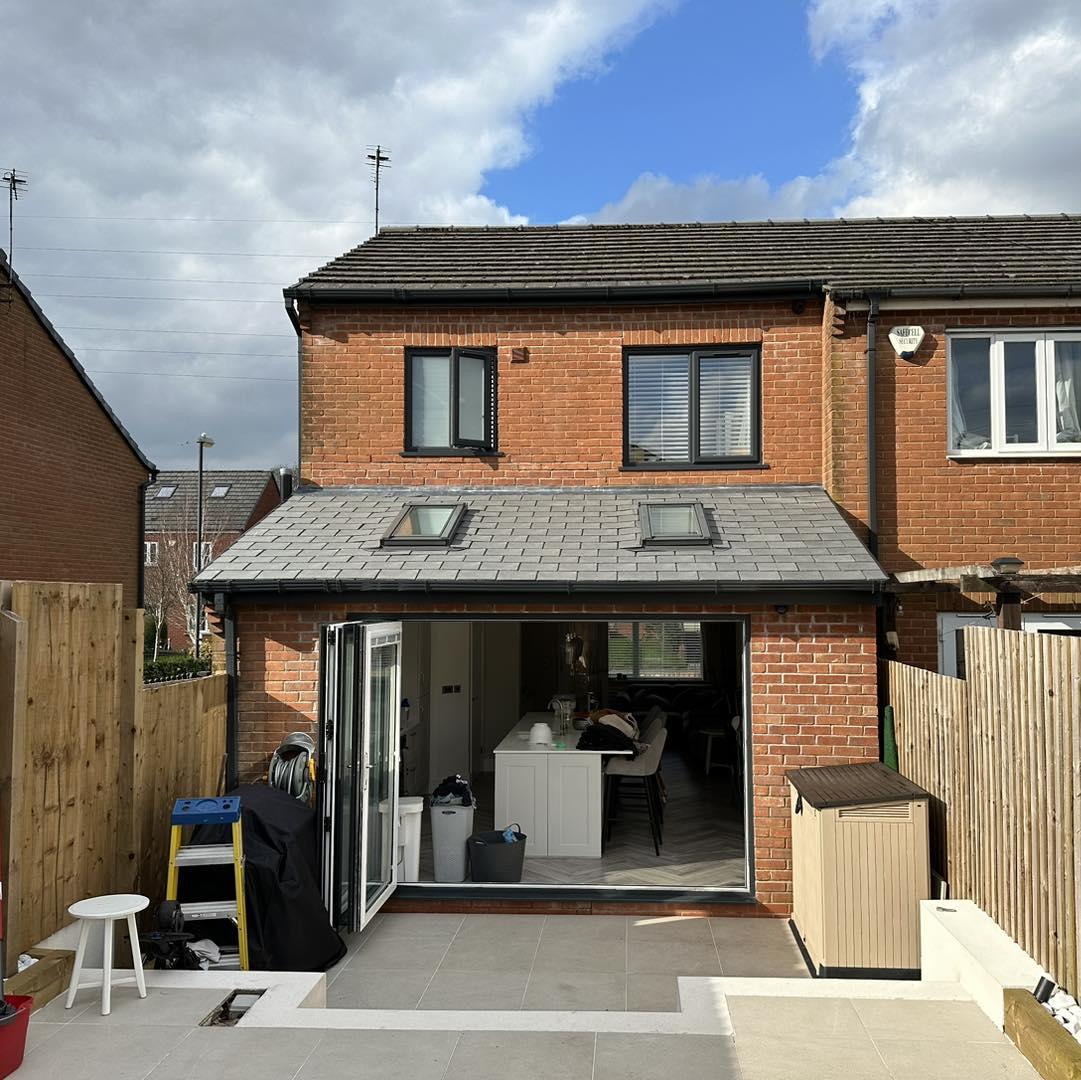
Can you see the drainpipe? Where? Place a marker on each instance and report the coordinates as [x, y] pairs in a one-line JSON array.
[[872, 434], [231, 741], [140, 579], [294, 318]]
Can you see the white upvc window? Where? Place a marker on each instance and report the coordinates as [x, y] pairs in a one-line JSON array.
[[150, 553], [1014, 394], [208, 553]]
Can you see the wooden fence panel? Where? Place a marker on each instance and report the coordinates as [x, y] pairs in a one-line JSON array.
[[1000, 752], [90, 758]]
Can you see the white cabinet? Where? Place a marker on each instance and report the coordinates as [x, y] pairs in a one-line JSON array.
[[574, 805], [521, 796]]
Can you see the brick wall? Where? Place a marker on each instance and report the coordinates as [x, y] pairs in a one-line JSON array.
[[70, 508], [561, 413], [813, 695]]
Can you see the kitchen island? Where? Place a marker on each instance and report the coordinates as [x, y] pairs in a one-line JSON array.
[[555, 793]]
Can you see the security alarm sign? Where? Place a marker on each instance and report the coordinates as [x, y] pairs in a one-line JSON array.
[[906, 340]]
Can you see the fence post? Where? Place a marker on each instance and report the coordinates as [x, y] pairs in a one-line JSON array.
[[12, 777], [131, 702]]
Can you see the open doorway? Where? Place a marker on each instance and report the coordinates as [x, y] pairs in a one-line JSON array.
[[471, 690]]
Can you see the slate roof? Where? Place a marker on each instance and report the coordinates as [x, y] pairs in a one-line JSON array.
[[766, 536], [9, 277], [969, 256], [228, 514]]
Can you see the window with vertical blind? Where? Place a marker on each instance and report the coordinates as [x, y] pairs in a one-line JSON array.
[[655, 650], [450, 400], [693, 408]]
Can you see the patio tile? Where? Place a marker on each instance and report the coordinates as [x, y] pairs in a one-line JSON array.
[[567, 955], [486, 954], [359, 989], [774, 959], [397, 954], [90, 1052], [40, 1031], [812, 1058], [937, 1059], [494, 990], [652, 993], [669, 929], [521, 1055], [420, 927], [589, 991], [795, 1018], [508, 928], [607, 928], [744, 931], [236, 1054], [672, 958], [380, 1055], [958, 1021], [164, 1006], [647, 1057]]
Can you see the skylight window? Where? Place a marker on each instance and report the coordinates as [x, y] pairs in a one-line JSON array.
[[220, 491], [166, 492], [426, 524], [673, 523]]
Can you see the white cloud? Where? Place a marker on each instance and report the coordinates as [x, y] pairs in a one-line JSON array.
[[965, 107], [256, 110]]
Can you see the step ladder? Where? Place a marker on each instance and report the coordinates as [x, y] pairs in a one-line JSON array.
[[217, 811]]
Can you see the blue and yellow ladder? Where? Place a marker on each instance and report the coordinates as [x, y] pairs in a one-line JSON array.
[[217, 811]]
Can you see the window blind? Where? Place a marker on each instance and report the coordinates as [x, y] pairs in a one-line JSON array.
[[658, 408], [725, 403], [655, 650]]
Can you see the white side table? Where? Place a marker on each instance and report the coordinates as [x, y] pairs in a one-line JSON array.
[[107, 910]]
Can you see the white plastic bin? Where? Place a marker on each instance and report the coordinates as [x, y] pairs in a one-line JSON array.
[[451, 828], [410, 809]]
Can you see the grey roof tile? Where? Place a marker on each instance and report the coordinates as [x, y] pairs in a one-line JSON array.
[[773, 545]]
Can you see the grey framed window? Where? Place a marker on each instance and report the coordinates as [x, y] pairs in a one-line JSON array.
[[425, 524], [691, 408], [450, 401], [668, 523]]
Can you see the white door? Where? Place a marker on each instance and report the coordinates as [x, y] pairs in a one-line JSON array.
[[359, 730]]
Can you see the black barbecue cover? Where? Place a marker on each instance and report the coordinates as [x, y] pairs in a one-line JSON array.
[[288, 925]]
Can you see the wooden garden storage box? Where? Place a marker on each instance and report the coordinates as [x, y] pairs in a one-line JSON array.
[[860, 866]]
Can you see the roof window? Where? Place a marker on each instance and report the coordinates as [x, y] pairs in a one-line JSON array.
[[166, 491], [220, 491], [426, 524], [673, 523]]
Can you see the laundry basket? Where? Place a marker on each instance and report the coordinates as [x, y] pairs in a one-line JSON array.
[[451, 826], [492, 858]]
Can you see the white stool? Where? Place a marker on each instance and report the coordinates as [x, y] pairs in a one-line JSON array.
[[107, 910]]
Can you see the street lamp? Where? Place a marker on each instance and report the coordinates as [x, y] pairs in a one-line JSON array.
[[204, 442]]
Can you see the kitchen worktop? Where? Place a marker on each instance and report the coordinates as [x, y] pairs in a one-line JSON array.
[[513, 743]]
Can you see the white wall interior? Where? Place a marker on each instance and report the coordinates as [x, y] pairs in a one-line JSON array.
[[450, 697]]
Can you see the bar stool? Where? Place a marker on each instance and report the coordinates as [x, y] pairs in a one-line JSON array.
[[644, 770], [107, 910]]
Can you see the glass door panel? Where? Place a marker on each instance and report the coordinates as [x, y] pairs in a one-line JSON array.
[[382, 676]]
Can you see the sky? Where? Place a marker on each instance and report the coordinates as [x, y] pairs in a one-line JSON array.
[[189, 159]]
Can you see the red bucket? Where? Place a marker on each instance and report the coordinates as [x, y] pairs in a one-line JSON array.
[[13, 1033]]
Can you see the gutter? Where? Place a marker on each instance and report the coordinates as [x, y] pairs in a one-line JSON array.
[[797, 288], [958, 292]]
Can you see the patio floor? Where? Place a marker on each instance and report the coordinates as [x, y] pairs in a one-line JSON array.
[[564, 962], [776, 1037]]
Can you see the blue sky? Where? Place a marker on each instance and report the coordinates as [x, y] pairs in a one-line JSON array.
[[725, 89]]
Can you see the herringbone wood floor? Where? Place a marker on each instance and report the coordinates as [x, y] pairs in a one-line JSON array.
[[703, 837]]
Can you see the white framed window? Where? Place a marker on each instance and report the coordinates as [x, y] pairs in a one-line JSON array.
[[150, 553], [655, 650], [1014, 394], [951, 624], [208, 553]]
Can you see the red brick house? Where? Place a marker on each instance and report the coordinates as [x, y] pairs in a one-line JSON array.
[[233, 501], [72, 501], [653, 464]]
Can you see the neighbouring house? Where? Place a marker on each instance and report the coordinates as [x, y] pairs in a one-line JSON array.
[[72, 501], [233, 501], [666, 468]]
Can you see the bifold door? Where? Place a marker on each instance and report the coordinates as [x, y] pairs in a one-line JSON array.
[[358, 802]]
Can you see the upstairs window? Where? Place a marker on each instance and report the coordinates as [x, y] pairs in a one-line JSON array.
[[1016, 394], [655, 650], [425, 524], [450, 400], [207, 553], [691, 409]]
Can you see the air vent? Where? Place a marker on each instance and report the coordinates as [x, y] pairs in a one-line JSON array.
[[898, 811]]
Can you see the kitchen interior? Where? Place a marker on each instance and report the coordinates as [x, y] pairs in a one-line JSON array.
[[475, 692]]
